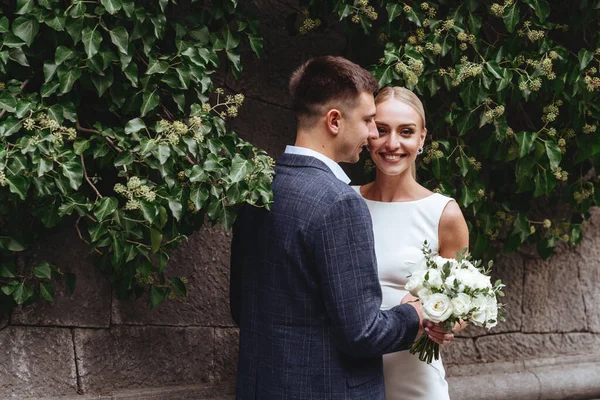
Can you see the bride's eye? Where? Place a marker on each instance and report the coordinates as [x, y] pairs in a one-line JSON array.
[[406, 132], [381, 130]]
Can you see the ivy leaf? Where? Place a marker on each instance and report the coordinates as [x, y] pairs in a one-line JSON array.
[[585, 56], [176, 207], [7, 271], [512, 17], [4, 25], [134, 125], [164, 152], [43, 271], [131, 73], [157, 67], [475, 22], [149, 211], [545, 181], [61, 55], [463, 163], [24, 6], [178, 287], [554, 154], [26, 28], [67, 78], [494, 68], [124, 158], [149, 102], [240, 167], [157, 296], [105, 207], [386, 76], [18, 185], [112, 6], [73, 171], [120, 38], [80, 146], [18, 56], [49, 71], [22, 293], [44, 166], [394, 10], [8, 102], [91, 41], [256, 44], [198, 196], [156, 239], [542, 9], [102, 83], [525, 140], [47, 291], [467, 196]]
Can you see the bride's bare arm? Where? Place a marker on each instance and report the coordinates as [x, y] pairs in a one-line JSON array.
[[453, 236]]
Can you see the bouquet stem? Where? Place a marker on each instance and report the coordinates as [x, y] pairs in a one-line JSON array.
[[428, 349]]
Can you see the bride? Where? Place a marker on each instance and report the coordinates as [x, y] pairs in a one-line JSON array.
[[404, 214]]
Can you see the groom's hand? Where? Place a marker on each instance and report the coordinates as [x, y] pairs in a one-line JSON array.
[[436, 333], [416, 303]]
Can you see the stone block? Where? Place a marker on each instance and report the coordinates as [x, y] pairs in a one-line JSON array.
[[88, 306], [266, 126], [552, 300], [460, 351], [4, 318], [204, 260], [589, 270], [520, 346], [36, 362], [226, 354], [128, 357], [267, 77], [509, 268]]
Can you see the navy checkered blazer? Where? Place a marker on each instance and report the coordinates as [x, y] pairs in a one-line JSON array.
[[305, 293]]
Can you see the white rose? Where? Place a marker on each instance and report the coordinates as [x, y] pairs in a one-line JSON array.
[[437, 308], [441, 261], [434, 278], [479, 316], [461, 305], [464, 277], [424, 294], [491, 313], [415, 282], [450, 281]]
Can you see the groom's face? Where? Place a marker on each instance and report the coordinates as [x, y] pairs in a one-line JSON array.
[[357, 126]]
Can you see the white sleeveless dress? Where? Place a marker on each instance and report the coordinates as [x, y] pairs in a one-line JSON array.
[[400, 229]]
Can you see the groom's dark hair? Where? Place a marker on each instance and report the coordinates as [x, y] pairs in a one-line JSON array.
[[327, 82]]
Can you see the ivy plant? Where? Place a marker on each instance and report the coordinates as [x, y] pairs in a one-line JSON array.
[[511, 89], [110, 123]]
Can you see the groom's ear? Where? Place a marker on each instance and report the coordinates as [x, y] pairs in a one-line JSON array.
[[332, 119]]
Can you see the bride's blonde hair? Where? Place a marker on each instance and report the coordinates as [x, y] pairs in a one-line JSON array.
[[406, 96]]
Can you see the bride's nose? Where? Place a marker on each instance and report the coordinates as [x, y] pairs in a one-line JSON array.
[[392, 142]]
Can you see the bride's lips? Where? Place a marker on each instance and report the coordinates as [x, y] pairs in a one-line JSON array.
[[392, 157]]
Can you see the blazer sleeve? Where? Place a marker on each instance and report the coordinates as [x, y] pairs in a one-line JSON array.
[[236, 268], [346, 263]]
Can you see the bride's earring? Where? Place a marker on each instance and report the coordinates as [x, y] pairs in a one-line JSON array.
[[419, 151]]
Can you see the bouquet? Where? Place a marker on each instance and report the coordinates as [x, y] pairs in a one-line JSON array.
[[452, 290]]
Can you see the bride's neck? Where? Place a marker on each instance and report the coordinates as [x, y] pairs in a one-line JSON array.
[[388, 188]]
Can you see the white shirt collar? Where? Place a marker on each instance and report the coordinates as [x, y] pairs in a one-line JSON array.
[[333, 166]]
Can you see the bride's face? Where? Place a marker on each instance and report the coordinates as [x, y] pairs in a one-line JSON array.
[[401, 134]]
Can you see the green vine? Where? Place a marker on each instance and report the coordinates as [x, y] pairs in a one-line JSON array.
[[511, 89], [107, 124]]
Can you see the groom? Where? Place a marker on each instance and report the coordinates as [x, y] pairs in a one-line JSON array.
[[304, 286]]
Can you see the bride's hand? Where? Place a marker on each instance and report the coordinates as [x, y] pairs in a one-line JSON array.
[[436, 333]]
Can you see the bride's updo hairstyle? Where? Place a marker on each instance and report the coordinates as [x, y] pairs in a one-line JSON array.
[[402, 94], [405, 96]]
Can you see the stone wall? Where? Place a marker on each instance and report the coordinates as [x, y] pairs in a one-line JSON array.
[[90, 345]]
